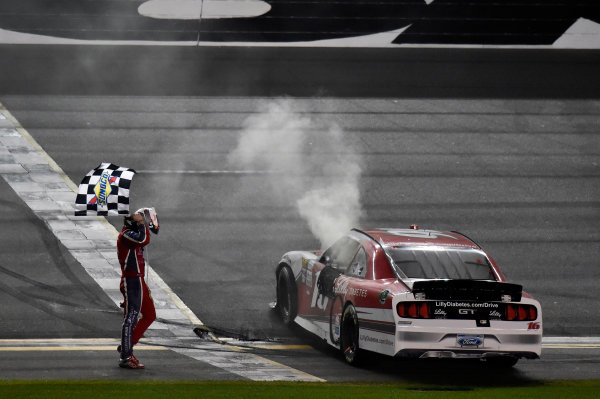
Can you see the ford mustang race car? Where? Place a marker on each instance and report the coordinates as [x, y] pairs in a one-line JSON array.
[[409, 293]]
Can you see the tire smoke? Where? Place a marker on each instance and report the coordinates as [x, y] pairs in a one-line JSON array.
[[308, 165]]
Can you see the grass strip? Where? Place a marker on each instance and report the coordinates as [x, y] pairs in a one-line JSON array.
[[293, 390]]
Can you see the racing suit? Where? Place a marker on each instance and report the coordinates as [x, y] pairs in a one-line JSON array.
[[138, 305]]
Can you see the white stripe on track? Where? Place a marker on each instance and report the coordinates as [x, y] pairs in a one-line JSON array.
[[217, 352], [583, 34], [50, 194], [571, 342]]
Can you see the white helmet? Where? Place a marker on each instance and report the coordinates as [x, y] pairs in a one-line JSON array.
[[150, 218]]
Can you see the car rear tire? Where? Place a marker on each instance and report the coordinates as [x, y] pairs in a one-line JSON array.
[[349, 336], [287, 296]]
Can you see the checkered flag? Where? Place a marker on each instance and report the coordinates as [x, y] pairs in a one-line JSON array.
[[104, 191]]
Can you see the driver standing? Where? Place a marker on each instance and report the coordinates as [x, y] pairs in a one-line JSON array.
[[139, 312]]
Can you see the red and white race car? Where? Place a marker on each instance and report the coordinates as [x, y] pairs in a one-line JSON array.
[[409, 292]]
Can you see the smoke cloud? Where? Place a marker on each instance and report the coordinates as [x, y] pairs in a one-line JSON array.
[[308, 164]]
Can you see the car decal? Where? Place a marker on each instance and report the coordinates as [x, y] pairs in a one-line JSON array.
[[377, 326]]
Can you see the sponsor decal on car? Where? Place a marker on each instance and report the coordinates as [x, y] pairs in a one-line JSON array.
[[383, 296], [533, 325], [380, 341], [306, 272], [478, 305], [341, 288], [466, 310], [341, 285]]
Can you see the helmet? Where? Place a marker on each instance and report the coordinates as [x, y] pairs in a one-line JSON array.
[[150, 218]]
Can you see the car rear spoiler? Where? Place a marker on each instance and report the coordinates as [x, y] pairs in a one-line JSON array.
[[470, 290]]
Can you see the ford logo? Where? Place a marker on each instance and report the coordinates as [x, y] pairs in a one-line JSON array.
[[469, 340]]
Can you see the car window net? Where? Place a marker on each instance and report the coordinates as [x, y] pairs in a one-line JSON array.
[[436, 263], [341, 253]]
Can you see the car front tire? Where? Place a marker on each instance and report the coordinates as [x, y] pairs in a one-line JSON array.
[[287, 296]]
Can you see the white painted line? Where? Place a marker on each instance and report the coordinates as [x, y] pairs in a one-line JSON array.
[[156, 279], [11, 37], [583, 34], [83, 236], [580, 340], [50, 193], [571, 39], [195, 350], [224, 344]]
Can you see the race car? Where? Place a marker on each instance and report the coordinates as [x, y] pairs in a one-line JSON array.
[[409, 293]]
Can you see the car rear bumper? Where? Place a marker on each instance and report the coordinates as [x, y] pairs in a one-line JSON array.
[[424, 344], [457, 354]]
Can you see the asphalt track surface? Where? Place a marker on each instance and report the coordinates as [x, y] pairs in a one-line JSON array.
[[501, 145]]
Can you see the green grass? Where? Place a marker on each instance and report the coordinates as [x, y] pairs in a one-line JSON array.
[[279, 390]]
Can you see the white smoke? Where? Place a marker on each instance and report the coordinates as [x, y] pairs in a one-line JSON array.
[[308, 163]]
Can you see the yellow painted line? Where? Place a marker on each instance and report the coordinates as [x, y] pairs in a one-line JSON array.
[[296, 371], [280, 347], [68, 344], [76, 348], [571, 346]]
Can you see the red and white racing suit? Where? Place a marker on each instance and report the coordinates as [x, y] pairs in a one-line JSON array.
[[139, 310]]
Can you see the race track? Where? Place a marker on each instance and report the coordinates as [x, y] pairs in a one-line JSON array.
[[518, 175], [501, 145]]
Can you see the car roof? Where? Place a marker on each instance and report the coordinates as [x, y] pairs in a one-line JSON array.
[[392, 237]]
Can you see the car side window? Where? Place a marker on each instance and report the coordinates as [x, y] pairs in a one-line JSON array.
[[340, 254], [358, 267]]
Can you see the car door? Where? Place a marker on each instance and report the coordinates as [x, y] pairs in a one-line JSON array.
[[346, 286]]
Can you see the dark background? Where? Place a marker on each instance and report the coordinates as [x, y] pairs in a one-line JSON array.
[[531, 22]]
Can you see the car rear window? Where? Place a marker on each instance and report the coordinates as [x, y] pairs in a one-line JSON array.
[[440, 263]]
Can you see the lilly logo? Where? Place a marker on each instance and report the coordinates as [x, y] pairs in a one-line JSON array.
[[103, 189]]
